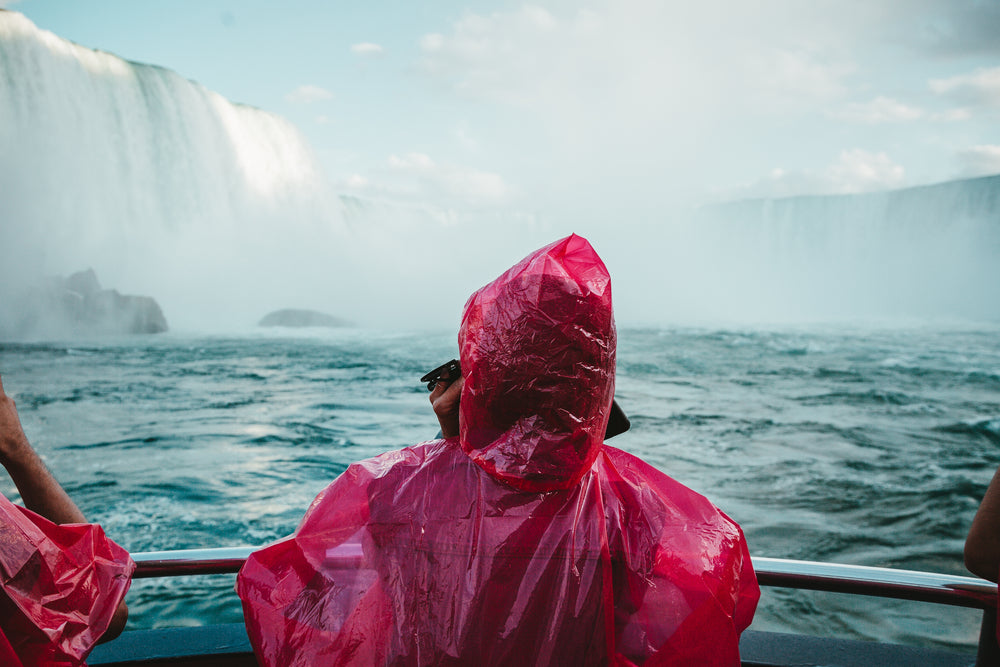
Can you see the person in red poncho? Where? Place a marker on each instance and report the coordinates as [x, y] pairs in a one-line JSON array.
[[63, 581], [521, 540]]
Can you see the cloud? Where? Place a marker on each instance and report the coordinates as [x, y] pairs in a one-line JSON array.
[[952, 27], [308, 94], [952, 115], [418, 174], [879, 110], [357, 181], [417, 179], [501, 56], [633, 97], [789, 75], [980, 88], [367, 49], [641, 52], [979, 161], [853, 171]]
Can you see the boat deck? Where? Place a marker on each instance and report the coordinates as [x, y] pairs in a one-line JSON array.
[[227, 646]]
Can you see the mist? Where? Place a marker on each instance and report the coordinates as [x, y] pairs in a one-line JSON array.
[[223, 212], [218, 211]]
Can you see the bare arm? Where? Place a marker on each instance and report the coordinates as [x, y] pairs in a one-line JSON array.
[[982, 546], [39, 490]]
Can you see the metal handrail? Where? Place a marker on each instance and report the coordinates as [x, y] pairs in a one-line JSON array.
[[184, 562], [778, 572], [877, 581]]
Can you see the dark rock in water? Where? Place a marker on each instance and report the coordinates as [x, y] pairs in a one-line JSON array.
[[293, 317], [84, 283], [123, 313], [77, 305]]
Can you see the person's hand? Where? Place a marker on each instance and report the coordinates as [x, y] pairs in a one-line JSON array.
[[444, 400], [12, 438]]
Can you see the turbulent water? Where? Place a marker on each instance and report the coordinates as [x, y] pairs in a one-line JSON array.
[[858, 446]]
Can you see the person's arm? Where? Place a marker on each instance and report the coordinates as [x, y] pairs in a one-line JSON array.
[[444, 399], [982, 546], [40, 492]]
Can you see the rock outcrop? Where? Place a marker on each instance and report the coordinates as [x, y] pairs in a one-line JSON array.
[[77, 305], [294, 317]]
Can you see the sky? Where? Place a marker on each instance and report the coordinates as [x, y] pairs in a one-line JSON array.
[[596, 117], [564, 106]]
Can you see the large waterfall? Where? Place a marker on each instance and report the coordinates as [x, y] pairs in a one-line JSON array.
[[917, 253], [219, 211], [160, 185]]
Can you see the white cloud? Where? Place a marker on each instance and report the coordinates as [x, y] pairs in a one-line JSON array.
[[501, 56], [357, 181], [432, 42], [637, 53], [978, 88], [418, 175], [790, 75], [308, 94], [979, 161], [367, 49], [861, 171], [411, 161], [417, 179], [952, 115], [633, 95], [879, 110], [638, 96], [853, 171]]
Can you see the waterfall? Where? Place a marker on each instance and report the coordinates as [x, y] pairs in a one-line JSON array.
[[922, 252], [219, 211], [159, 184]]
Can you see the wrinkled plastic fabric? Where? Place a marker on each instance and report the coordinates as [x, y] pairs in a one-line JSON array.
[[61, 586], [523, 541]]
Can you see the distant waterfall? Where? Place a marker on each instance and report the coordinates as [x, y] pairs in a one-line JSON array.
[[923, 252], [135, 171]]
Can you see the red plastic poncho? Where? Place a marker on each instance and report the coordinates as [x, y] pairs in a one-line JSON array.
[[61, 586], [524, 541]]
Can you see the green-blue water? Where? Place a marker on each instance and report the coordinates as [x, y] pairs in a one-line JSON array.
[[869, 447]]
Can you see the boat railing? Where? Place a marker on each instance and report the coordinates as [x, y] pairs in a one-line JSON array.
[[882, 582], [831, 577]]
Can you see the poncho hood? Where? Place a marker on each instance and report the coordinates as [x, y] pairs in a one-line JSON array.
[[537, 348]]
